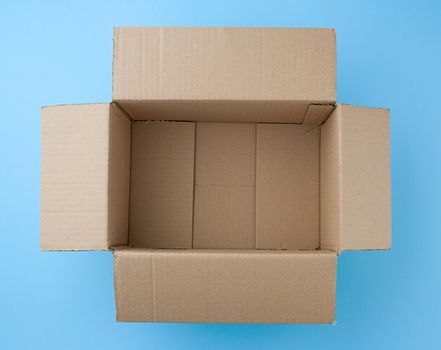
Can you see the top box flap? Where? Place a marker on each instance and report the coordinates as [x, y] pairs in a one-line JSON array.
[[251, 64]]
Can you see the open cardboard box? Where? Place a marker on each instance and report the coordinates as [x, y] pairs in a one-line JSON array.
[[222, 175]]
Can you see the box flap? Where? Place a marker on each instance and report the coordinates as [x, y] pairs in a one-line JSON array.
[[355, 179], [190, 63], [85, 166], [224, 286]]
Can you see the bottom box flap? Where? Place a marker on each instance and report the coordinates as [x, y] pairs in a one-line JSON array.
[[225, 286]]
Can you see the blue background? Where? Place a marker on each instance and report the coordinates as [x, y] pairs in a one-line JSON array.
[[388, 55]]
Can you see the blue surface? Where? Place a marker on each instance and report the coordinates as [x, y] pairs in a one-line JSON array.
[[388, 55]]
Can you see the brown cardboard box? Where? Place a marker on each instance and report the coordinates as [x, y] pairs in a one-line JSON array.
[[222, 175]]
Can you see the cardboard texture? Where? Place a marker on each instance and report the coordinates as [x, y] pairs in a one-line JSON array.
[[161, 193], [233, 74], [317, 114], [247, 64], [222, 175], [225, 286], [120, 138], [225, 185], [355, 179], [287, 187], [224, 217], [229, 111], [82, 207]]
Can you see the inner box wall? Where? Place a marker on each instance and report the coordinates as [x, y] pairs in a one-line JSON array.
[[224, 185], [161, 188]]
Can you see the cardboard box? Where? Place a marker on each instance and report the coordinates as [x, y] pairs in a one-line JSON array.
[[222, 176]]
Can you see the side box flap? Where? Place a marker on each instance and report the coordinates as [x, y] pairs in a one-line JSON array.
[[85, 169], [355, 179], [225, 286]]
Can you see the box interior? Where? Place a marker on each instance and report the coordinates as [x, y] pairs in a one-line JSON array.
[[224, 185]]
